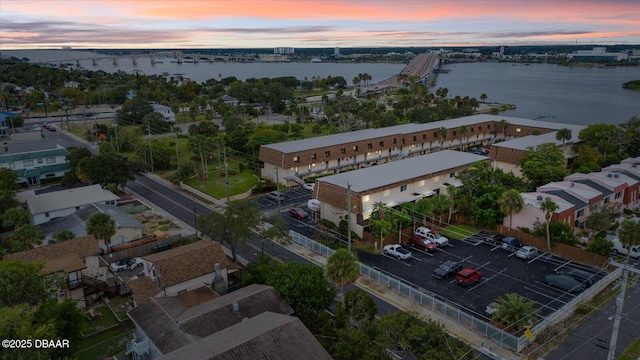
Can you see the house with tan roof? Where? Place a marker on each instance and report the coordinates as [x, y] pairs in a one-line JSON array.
[[205, 329], [76, 261], [181, 269]]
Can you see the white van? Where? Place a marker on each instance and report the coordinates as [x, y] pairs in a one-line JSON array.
[[620, 249]]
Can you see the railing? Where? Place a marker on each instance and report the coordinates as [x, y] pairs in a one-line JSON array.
[[74, 284], [426, 299]]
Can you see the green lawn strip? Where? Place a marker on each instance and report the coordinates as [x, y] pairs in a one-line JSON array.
[[108, 343], [632, 352], [458, 231], [215, 185], [105, 321]]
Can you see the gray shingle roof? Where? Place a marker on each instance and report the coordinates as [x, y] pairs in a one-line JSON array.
[[579, 204], [268, 336], [402, 170], [594, 185], [171, 325]]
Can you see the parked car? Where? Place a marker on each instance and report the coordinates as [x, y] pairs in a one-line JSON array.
[[446, 268], [585, 278], [511, 243], [468, 276], [309, 186], [494, 239], [527, 252], [422, 243], [620, 249], [432, 236], [564, 282], [276, 196], [397, 251], [125, 264], [298, 213]]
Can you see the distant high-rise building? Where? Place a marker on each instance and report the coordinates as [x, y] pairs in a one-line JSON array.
[[284, 50], [336, 51]]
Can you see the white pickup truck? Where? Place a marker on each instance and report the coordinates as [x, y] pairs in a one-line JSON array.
[[436, 238]]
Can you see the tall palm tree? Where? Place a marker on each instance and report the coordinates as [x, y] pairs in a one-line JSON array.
[[440, 205], [511, 203], [463, 133], [548, 207], [342, 269], [563, 135], [452, 191], [629, 235], [515, 310], [380, 224], [483, 97], [442, 132], [504, 124]]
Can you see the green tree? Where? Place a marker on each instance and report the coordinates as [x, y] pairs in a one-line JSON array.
[[109, 169], [63, 235], [563, 135], [544, 164], [277, 231], [515, 311], [19, 322], [548, 207], [439, 205], [8, 180], [133, 111], [602, 218], [342, 269], [600, 246], [22, 283], [629, 235], [25, 237], [155, 123], [357, 309], [609, 139], [233, 226], [16, 216], [511, 203], [66, 319], [379, 222], [102, 226], [304, 287], [442, 133], [587, 160], [463, 132], [483, 97], [504, 124], [632, 130]]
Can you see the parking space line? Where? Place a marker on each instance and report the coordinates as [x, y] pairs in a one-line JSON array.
[[561, 266], [535, 258], [545, 295], [391, 257]]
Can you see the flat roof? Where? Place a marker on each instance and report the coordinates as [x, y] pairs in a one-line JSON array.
[[377, 176], [64, 199], [534, 140], [360, 135]]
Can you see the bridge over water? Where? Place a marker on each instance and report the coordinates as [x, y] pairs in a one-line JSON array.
[[420, 68], [156, 57]]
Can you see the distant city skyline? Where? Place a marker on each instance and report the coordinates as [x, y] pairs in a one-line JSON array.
[[143, 24]]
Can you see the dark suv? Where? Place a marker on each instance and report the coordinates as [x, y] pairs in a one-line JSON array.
[[446, 268], [468, 277]]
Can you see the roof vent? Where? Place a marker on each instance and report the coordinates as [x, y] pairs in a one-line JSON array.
[[572, 184], [547, 198], [539, 198], [236, 307], [609, 175], [634, 165], [616, 176]]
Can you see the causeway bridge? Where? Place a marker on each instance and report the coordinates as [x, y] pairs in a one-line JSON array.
[[157, 57], [420, 68]]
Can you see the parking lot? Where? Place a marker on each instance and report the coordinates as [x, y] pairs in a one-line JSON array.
[[502, 273]]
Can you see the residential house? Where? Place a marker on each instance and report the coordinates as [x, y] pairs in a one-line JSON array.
[[165, 111], [45, 205], [74, 261], [584, 198], [229, 100], [531, 211], [185, 268], [128, 228], [34, 165], [614, 185], [630, 168], [198, 324], [300, 159], [392, 183]]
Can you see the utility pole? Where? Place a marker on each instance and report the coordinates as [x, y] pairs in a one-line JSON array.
[[226, 172], [278, 189], [150, 148], [619, 305], [195, 215], [349, 217], [177, 153], [115, 119]]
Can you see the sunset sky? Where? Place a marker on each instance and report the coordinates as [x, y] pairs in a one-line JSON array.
[[30, 24]]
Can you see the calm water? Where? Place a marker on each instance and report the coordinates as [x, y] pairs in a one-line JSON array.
[[574, 95]]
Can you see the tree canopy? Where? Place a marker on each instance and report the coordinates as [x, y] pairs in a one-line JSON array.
[[544, 164], [102, 226]]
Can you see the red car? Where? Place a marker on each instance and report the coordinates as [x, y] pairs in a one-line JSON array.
[[468, 277], [422, 243], [298, 213]]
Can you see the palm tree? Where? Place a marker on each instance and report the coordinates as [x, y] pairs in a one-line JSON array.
[[452, 191], [504, 124], [442, 132], [511, 203], [548, 207], [380, 225], [483, 97], [463, 133], [515, 311], [563, 135], [629, 235], [342, 269], [102, 226], [439, 205]]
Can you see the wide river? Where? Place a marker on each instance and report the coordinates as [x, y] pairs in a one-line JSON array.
[[576, 95]]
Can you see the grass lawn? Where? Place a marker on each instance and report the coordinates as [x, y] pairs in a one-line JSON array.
[[458, 231], [215, 185], [106, 320], [108, 343], [632, 352]]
